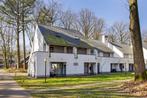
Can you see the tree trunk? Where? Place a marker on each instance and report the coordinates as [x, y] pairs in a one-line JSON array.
[[140, 73], [24, 44], [17, 37], [24, 48], [18, 50], [5, 58]]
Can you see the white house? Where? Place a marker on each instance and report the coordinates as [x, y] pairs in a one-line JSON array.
[[145, 52], [60, 52], [125, 52]]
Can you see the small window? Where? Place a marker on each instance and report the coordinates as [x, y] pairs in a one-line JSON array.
[[69, 50], [81, 50], [92, 51], [106, 54], [126, 55], [51, 49]]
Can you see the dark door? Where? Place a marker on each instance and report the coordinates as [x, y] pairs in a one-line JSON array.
[[98, 68], [86, 68], [121, 66]]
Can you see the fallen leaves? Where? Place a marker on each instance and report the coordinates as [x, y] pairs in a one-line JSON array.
[[135, 88]]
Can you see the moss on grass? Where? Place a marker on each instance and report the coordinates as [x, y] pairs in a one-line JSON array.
[[57, 41]]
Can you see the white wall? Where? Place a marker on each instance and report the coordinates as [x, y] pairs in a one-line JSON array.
[[145, 53], [71, 69], [36, 58], [37, 65], [70, 60], [38, 41], [117, 52], [105, 63], [145, 56]]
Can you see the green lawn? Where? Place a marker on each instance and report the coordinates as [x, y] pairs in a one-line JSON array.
[[98, 86]]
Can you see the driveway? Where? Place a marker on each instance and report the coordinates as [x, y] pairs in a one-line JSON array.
[[9, 88]]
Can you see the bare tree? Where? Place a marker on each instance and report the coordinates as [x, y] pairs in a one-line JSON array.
[[11, 9], [67, 20], [111, 37], [6, 37], [49, 14], [16, 12], [99, 25], [120, 31], [37, 10], [86, 22], [140, 73], [144, 36], [27, 10]]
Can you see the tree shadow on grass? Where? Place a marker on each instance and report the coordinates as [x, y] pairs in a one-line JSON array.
[[83, 93]]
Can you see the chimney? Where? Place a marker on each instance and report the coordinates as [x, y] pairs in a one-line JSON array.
[[104, 39]]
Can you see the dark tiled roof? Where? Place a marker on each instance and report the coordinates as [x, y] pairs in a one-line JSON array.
[[72, 32], [55, 36]]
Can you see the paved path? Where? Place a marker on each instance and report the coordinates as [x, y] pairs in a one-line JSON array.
[[9, 88]]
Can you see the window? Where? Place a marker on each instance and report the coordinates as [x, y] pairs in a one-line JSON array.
[[100, 53], [128, 56], [106, 54], [57, 49], [69, 50], [81, 50], [51, 49], [92, 51], [111, 54]]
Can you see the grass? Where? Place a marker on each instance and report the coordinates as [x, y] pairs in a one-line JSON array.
[[98, 86]]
